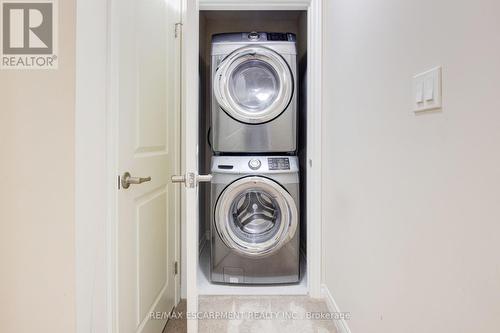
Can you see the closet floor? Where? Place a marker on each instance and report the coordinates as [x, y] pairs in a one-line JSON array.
[[275, 308]]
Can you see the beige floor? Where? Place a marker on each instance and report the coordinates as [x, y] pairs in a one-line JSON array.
[[300, 306], [178, 325]]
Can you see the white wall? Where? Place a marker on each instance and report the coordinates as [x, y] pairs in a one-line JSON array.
[[37, 256], [412, 203]]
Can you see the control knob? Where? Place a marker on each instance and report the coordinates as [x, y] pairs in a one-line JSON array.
[[254, 35], [254, 164]]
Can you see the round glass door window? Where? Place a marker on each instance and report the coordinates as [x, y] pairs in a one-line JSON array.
[[253, 85], [255, 216]]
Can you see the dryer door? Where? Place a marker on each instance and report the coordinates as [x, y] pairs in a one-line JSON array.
[[255, 216], [253, 85]]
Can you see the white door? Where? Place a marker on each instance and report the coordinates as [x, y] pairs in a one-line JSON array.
[[147, 64]]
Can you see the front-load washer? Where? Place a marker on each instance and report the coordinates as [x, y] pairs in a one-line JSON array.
[[254, 89], [255, 220]]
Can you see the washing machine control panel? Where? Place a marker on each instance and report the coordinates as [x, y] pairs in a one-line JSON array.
[[254, 164], [278, 163]]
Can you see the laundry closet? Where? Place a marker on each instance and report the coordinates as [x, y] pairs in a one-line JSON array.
[[252, 141]]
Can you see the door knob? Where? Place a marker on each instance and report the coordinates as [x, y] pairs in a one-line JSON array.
[[191, 179], [127, 180], [204, 178], [178, 179]]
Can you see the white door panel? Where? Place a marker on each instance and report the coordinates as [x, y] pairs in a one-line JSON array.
[[149, 143]]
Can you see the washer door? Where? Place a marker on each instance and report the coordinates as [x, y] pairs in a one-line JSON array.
[[253, 85], [255, 216]]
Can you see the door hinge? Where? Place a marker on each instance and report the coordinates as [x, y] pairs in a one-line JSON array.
[[176, 268], [178, 29]]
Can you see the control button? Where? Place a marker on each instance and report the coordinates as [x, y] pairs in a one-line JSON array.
[[254, 35], [254, 164]]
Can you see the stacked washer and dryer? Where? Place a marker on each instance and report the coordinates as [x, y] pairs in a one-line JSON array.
[[255, 183]]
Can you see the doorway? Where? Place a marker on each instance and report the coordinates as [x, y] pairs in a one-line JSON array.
[[215, 22], [96, 116]]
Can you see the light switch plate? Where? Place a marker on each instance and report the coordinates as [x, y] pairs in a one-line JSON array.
[[427, 93]]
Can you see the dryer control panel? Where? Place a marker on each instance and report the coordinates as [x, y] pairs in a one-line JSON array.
[[279, 36], [271, 36], [254, 36]]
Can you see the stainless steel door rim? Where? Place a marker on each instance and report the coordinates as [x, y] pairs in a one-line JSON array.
[[273, 241], [274, 72]]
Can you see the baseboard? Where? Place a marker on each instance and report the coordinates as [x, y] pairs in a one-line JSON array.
[[341, 324]]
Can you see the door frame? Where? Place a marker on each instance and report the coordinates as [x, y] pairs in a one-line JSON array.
[[96, 161], [96, 147]]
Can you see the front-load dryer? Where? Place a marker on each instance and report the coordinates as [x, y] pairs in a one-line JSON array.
[[254, 93], [255, 220]]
